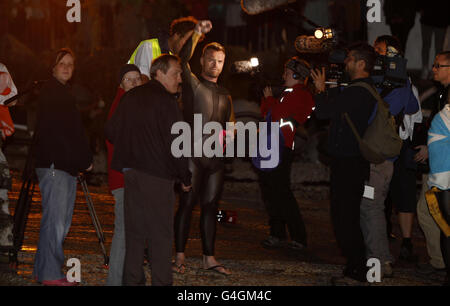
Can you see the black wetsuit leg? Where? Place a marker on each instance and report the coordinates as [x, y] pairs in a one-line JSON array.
[[209, 204], [206, 188], [187, 203]]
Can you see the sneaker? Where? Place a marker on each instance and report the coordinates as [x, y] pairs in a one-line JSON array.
[[296, 246], [59, 282], [426, 269], [273, 242]]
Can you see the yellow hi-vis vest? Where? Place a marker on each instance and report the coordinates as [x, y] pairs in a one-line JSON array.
[[156, 49]]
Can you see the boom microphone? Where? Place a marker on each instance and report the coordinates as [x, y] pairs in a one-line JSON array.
[[241, 67], [310, 44], [254, 7]]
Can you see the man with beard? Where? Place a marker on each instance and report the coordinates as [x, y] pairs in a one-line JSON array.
[[349, 170]]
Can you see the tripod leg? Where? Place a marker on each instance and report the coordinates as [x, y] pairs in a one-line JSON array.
[[94, 218], [21, 217]]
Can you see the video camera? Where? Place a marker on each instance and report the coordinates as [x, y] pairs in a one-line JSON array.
[[390, 70]]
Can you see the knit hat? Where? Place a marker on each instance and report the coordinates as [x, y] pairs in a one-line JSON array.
[[125, 69]]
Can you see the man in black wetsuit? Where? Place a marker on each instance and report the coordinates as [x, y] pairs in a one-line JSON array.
[[205, 97]]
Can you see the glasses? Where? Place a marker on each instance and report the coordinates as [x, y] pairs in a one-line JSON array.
[[437, 66], [134, 80]]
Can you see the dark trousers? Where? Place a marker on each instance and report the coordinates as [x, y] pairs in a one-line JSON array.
[[347, 187], [281, 205], [148, 211]]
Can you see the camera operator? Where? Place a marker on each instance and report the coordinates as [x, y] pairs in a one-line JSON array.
[[349, 169], [401, 101]]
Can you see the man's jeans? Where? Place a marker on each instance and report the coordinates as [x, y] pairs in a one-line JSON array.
[[373, 220], [58, 191], [117, 255]]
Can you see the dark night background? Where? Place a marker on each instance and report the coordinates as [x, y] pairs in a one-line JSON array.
[[110, 30]]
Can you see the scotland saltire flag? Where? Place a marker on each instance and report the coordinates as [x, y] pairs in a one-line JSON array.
[[439, 150]]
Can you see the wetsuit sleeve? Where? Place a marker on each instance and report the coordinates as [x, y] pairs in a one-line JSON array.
[[186, 54]]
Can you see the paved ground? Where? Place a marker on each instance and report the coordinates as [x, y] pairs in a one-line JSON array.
[[238, 245]]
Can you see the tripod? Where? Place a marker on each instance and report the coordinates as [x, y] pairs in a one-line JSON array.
[[23, 208]]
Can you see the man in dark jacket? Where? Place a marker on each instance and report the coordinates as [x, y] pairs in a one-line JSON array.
[[349, 169], [140, 131]]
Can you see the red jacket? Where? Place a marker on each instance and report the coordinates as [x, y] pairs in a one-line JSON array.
[[115, 178], [296, 103]]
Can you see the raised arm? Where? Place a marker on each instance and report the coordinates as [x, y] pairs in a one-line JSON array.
[[188, 49]]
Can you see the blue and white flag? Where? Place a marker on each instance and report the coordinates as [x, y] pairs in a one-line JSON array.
[[439, 150]]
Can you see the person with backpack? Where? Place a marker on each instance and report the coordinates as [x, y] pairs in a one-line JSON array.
[[349, 169], [401, 101]]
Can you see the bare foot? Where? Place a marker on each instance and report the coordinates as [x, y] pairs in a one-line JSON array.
[[178, 265], [179, 268]]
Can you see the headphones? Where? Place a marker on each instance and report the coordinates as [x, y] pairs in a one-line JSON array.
[[300, 68]]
